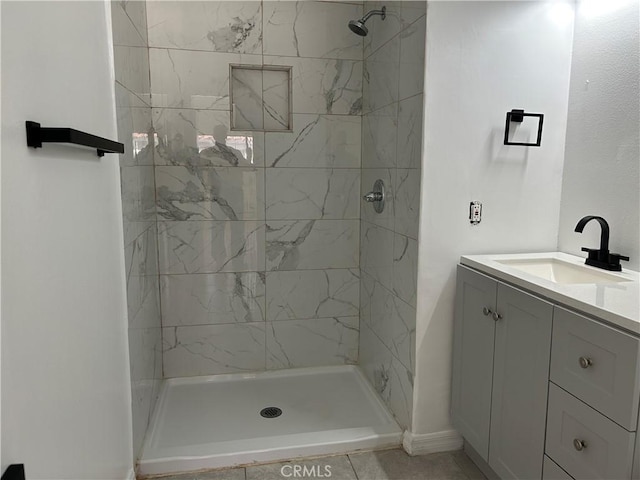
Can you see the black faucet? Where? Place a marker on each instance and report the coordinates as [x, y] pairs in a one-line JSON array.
[[601, 257]]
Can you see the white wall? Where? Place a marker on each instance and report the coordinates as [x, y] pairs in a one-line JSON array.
[[483, 59], [601, 170], [65, 382]]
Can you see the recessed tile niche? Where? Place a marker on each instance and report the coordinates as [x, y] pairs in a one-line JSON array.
[[260, 97]]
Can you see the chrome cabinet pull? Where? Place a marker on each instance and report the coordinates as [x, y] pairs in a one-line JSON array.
[[585, 362], [486, 311], [579, 445], [497, 316]]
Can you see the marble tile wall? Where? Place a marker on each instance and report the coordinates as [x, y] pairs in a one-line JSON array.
[[133, 109], [391, 150], [258, 233]]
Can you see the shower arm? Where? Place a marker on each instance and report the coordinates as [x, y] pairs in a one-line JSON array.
[[382, 13]]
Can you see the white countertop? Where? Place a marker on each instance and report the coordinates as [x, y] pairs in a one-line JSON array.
[[616, 303]]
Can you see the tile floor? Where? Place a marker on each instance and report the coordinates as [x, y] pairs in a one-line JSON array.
[[381, 465]]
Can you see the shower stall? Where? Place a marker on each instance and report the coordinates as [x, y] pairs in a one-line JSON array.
[[271, 309]]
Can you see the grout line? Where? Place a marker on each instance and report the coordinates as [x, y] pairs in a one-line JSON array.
[[381, 227], [256, 167], [264, 191], [268, 272], [322, 114], [252, 271], [251, 54], [263, 220], [256, 323], [352, 466]]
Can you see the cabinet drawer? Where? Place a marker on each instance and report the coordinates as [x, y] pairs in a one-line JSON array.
[[607, 450], [551, 471], [598, 364]]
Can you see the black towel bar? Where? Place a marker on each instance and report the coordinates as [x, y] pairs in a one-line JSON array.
[[37, 135]]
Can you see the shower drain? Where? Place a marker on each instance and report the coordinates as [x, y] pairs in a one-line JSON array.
[[270, 412]]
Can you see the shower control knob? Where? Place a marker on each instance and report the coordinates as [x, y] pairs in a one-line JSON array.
[[376, 196], [373, 197]]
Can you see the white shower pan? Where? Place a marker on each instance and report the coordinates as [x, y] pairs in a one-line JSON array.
[[215, 421]]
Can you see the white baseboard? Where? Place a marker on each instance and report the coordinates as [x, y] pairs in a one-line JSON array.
[[420, 444], [131, 475]]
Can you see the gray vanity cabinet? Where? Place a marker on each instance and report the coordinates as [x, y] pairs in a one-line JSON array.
[[474, 333], [502, 342]]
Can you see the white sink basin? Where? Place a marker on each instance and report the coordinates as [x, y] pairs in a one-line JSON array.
[[559, 271]]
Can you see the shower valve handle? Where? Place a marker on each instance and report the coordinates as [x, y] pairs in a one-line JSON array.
[[373, 197]]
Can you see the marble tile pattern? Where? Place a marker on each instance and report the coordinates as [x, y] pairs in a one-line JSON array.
[[405, 268], [324, 86], [188, 137], [305, 343], [311, 244], [392, 380], [381, 76], [209, 193], [209, 299], [259, 232], [391, 150], [390, 318], [193, 79], [247, 98], [409, 137], [407, 202], [301, 294], [220, 26], [379, 137], [276, 93], [211, 246], [137, 190], [132, 72], [411, 68], [385, 29], [213, 349], [312, 193], [135, 130], [127, 98], [317, 141], [376, 253], [291, 29], [140, 249], [133, 114], [129, 23]]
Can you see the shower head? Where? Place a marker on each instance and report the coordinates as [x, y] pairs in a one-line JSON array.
[[358, 26]]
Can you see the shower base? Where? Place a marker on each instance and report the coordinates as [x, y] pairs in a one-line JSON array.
[[215, 421]]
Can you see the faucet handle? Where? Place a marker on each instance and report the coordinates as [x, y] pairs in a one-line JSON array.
[[616, 257]]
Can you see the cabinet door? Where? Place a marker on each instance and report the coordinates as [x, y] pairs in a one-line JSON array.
[[473, 341], [520, 383]]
